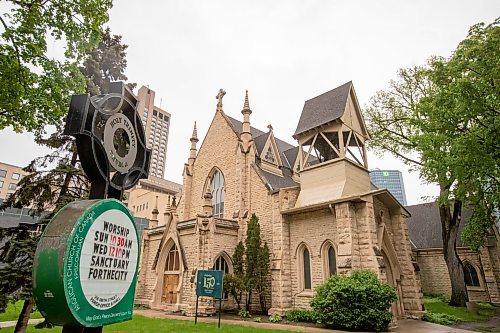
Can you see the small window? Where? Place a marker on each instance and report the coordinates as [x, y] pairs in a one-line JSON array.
[[161, 115], [155, 113], [307, 269], [12, 186], [172, 263], [16, 176], [470, 276], [3, 173], [269, 155], [221, 265], [217, 187], [332, 262], [1, 183]]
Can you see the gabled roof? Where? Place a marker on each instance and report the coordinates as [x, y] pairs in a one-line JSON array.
[[324, 108], [424, 225], [260, 142], [260, 139]]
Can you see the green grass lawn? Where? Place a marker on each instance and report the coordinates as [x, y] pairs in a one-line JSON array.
[[439, 305], [142, 324], [13, 310]]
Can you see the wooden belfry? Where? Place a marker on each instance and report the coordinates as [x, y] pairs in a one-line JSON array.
[[331, 127], [332, 161]]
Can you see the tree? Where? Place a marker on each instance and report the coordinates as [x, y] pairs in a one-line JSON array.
[[263, 273], [235, 283], [257, 270], [57, 178], [434, 119], [35, 88], [16, 256]]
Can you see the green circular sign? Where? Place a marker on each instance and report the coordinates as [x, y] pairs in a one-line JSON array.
[[86, 264]]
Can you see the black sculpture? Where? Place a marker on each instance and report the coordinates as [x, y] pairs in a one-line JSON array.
[[110, 140]]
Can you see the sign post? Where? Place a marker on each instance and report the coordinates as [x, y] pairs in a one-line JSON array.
[[209, 283], [86, 262]]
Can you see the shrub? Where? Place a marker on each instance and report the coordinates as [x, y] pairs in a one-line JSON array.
[[357, 302], [299, 315], [244, 313], [257, 319], [440, 318], [275, 318]]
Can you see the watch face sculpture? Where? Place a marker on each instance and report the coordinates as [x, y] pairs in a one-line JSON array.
[[110, 140]]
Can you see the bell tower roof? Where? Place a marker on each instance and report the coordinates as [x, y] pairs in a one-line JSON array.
[[323, 109]]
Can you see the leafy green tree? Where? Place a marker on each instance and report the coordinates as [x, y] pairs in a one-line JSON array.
[[35, 88], [57, 178], [463, 136], [441, 120]]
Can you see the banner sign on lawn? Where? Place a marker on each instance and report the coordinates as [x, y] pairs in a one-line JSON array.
[[92, 248], [209, 283]]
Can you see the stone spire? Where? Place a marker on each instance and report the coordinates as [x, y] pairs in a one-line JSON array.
[[246, 136], [153, 222], [168, 209], [192, 150]]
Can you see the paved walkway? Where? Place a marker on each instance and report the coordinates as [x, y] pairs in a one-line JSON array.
[[14, 322], [404, 325]]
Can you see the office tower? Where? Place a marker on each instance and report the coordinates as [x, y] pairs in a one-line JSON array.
[[391, 180], [156, 125]]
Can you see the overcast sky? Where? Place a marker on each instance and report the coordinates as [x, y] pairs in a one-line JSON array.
[[284, 52]]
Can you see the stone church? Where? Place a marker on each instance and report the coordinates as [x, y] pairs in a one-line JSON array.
[[318, 211]]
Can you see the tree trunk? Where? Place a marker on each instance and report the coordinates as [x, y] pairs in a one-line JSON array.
[[249, 300], [24, 316], [450, 224], [67, 178]]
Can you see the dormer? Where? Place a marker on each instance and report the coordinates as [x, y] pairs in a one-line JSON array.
[[269, 154], [332, 158]]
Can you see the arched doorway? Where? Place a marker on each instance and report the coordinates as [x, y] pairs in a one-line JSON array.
[[396, 307], [171, 276]]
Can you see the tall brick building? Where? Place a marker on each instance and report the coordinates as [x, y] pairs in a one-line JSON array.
[[317, 209]]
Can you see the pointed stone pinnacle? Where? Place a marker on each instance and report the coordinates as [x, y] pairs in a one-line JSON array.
[[167, 207], [195, 132], [246, 106]]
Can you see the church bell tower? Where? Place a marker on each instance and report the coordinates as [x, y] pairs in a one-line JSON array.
[[332, 160]]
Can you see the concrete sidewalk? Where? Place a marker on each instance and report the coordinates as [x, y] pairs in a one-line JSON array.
[[14, 322], [404, 325]]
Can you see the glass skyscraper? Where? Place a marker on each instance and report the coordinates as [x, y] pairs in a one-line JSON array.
[[391, 180]]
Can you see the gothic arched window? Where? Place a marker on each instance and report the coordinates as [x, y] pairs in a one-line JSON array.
[[332, 261], [221, 265], [306, 269], [172, 262], [217, 187], [470, 276]]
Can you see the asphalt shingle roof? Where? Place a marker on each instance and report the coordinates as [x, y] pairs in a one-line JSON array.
[[424, 225], [324, 108], [260, 138]]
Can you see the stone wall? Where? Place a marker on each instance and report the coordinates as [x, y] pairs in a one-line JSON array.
[[311, 229], [434, 273], [147, 277]]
